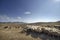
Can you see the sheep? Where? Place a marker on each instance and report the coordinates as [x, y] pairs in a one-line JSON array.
[[57, 26], [47, 30], [51, 31], [32, 29]]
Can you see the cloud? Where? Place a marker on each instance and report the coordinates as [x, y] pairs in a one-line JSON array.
[[27, 12], [4, 17], [56, 0], [10, 19], [18, 17]]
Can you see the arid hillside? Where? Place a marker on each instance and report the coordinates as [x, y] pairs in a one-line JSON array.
[[34, 31]]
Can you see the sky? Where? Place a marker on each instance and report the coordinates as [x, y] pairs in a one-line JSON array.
[[29, 11]]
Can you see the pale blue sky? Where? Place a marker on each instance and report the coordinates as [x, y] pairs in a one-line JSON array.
[[29, 10]]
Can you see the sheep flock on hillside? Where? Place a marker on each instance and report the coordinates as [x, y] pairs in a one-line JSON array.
[[48, 30]]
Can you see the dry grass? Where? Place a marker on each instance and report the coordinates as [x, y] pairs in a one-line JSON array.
[[14, 35], [13, 32]]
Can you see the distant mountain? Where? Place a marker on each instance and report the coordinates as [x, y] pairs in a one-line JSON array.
[[13, 22], [58, 21], [19, 22], [38, 23]]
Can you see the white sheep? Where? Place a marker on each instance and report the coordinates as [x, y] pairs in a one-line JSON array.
[[48, 30]]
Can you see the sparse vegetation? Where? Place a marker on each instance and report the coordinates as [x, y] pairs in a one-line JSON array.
[[16, 31]]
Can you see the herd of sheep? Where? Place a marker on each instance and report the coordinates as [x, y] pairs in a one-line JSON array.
[[48, 30]]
